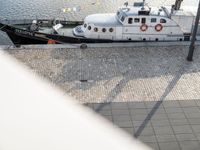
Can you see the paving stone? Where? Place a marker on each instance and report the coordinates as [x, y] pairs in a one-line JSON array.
[[166, 138], [186, 137], [189, 145], [182, 129], [163, 130], [158, 111], [153, 105], [197, 102], [154, 145], [169, 146], [158, 116], [137, 123]]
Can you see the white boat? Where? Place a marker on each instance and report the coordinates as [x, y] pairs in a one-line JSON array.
[[139, 22]]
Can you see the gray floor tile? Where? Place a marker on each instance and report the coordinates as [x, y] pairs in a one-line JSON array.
[[188, 103], [133, 105], [186, 137], [193, 115], [121, 118], [101, 106], [158, 116], [163, 130], [108, 118], [197, 102], [139, 117], [196, 128], [137, 123], [160, 122], [173, 110], [120, 112], [198, 136], [154, 145], [194, 121], [138, 111], [157, 111], [176, 116], [105, 112], [146, 131], [123, 124], [170, 104], [166, 138], [147, 138], [129, 130], [182, 129], [191, 109], [120, 105], [169, 146], [183, 121], [189, 145], [153, 105]]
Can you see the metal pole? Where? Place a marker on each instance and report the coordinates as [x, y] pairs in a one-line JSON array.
[[191, 49]]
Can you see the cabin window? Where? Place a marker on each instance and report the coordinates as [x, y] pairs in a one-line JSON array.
[[136, 20], [163, 21], [95, 29], [122, 18], [111, 29], [143, 20], [85, 25], [104, 30], [89, 27], [153, 20], [130, 20]]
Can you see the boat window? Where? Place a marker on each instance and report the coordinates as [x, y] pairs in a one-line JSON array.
[[104, 30], [122, 18], [89, 27], [95, 29], [85, 25], [130, 20], [153, 20], [111, 29], [136, 20], [144, 20], [163, 21], [118, 13]]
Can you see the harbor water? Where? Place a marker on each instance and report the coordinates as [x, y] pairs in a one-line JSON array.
[[65, 9]]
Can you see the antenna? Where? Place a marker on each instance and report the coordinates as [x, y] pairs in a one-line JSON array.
[[143, 4]]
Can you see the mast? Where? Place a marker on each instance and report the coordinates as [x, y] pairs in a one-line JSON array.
[[177, 5]]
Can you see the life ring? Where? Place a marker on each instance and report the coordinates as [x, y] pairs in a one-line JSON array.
[[158, 27], [143, 27]]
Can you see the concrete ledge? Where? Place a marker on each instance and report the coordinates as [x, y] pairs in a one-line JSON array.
[[101, 45]]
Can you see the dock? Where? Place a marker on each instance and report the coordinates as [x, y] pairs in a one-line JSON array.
[[147, 89]]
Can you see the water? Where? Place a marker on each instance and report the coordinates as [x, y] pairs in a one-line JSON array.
[[48, 9]]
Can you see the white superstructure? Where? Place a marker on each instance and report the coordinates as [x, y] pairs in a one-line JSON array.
[[140, 23]]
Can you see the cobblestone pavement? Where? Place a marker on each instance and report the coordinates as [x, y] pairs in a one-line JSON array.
[[151, 92]]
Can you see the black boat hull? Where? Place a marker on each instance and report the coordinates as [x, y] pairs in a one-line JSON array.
[[24, 37]]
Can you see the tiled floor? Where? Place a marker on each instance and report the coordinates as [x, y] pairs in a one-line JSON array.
[[170, 125]]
